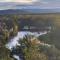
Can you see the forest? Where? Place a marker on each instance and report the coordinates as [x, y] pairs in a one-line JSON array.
[[10, 25]]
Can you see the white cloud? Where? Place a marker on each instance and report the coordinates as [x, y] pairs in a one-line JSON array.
[[34, 0], [5, 0], [15, 0], [26, 1]]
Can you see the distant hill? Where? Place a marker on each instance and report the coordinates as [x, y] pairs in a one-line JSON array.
[[28, 11], [12, 11], [43, 10]]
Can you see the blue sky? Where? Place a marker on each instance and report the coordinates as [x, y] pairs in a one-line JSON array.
[[50, 1]]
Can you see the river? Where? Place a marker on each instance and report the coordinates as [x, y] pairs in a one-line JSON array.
[[20, 35]]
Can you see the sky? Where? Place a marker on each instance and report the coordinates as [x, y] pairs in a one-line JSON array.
[[48, 3], [16, 1], [43, 1], [4, 4]]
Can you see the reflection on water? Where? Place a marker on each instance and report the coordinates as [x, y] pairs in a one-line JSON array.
[[16, 57], [20, 35]]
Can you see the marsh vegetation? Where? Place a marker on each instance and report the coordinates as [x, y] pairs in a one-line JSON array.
[[10, 25]]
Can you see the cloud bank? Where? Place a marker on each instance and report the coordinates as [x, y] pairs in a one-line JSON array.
[[40, 4]]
